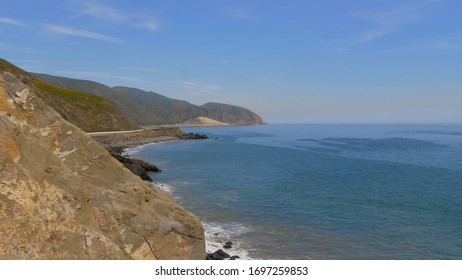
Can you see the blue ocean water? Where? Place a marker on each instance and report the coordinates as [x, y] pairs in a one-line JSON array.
[[322, 191]]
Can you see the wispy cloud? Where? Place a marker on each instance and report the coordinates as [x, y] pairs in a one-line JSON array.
[[372, 34], [108, 13], [11, 21], [336, 46], [58, 29], [396, 18], [102, 11], [142, 69], [317, 38], [102, 75], [198, 89], [149, 25]]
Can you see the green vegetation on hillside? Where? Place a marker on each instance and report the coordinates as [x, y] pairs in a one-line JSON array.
[[231, 114], [150, 108], [87, 111], [76, 98], [95, 107]]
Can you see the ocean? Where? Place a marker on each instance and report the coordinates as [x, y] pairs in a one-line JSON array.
[[321, 191]]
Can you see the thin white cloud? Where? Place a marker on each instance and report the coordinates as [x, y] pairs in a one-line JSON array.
[[58, 29], [396, 18], [142, 69], [103, 75], [102, 11], [337, 46], [11, 21], [189, 85], [108, 13], [211, 89], [372, 34], [198, 89], [317, 38], [150, 25]]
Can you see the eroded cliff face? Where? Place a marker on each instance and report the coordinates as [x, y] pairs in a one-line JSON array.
[[62, 196]]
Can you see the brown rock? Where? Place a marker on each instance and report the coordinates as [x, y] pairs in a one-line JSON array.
[[63, 196]]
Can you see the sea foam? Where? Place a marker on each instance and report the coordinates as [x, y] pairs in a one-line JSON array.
[[216, 236], [164, 187]]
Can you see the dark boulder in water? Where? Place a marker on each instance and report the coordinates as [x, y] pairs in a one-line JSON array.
[[189, 136], [228, 245], [218, 255], [137, 166], [146, 165]]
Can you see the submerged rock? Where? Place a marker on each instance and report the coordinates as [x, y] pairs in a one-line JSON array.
[[63, 196]]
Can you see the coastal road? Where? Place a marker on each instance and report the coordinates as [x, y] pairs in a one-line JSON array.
[[113, 132]]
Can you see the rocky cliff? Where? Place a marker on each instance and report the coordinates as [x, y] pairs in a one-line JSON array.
[[62, 196]]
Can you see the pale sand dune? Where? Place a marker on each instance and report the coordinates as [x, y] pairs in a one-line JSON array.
[[203, 121]]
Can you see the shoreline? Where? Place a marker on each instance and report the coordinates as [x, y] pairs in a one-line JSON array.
[[148, 136], [124, 147], [129, 151], [218, 244], [117, 143], [130, 140]]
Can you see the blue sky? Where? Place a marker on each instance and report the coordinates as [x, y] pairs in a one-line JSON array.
[[290, 61]]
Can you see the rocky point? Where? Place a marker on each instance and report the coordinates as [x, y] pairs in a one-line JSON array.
[[63, 196]]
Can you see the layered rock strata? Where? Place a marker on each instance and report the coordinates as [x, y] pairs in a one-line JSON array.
[[63, 196]]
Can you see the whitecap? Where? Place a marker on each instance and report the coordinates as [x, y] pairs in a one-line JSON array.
[[131, 151], [164, 187], [216, 236], [136, 149]]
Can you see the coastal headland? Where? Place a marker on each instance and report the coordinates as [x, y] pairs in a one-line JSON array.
[[67, 192], [63, 196]]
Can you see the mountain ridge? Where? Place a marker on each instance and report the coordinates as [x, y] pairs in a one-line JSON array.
[[151, 108], [89, 112]]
